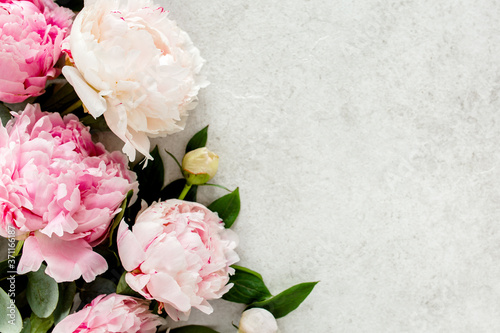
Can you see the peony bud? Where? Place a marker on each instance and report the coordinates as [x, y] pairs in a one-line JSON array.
[[257, 320], [199, 166]]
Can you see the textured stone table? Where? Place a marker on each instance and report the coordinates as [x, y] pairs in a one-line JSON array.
[[364, 136]]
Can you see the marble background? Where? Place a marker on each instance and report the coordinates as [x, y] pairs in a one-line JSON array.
[[364, 138]]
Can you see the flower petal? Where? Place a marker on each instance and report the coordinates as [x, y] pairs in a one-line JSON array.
[[68, 260], [129, 248], [94, 102]]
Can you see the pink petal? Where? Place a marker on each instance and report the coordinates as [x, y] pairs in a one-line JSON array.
[[129, 248], [71, 323], [155, 257], [68, 260], [167, 290], [32, 256], [138, 283]]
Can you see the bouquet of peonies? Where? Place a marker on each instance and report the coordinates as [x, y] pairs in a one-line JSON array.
[[95, 245]]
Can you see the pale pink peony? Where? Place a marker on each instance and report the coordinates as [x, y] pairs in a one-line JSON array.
[[59, 191], [178, 253], [135, 66], [112, 313], [31, 33]]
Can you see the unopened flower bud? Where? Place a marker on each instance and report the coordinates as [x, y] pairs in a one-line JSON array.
[[199, 166], [257, 320]]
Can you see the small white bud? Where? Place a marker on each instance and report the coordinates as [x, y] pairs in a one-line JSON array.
[[199, 166], [257, 320]]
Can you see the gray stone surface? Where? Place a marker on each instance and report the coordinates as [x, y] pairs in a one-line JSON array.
[[364, 138]]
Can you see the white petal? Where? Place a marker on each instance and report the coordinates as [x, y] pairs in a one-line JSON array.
[[92, 100]]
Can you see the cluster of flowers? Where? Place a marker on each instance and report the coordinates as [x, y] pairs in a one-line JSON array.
[[63, 194]]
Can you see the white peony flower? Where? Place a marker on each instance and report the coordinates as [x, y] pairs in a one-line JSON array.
[[257, 320], [199, 166], [135, 66]]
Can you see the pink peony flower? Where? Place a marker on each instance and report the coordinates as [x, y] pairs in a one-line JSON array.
[[112, 313], [59, 191], [136, 67], [31, 33], [178, 253]]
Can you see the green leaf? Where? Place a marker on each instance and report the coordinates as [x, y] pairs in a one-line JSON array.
[[198, 140], [246, 270], [40, 325], [174, 189], [21, 286], [42, 293], [4, 114], [228, 207], [11, 321], [98, 123], [287, 301], [191, 195], [67, 291], [26, 326], [175, 160], [108, 254], [216, 185], [248, 287], [193, 329], [119, 217], [98, 287], [59, 100], [124, 289], [151, 177], [8, 266]]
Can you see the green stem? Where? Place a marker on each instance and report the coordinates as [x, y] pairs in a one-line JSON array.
[[19, 246], [216, 185], [176, 161], [185, 191], [72, 107]]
